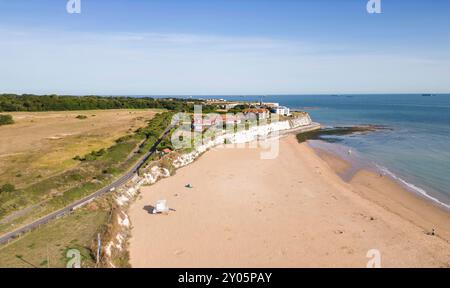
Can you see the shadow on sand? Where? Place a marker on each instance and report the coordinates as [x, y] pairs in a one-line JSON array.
[[150, 208]]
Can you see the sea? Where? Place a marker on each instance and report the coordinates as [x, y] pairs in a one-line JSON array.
[[413, 149]]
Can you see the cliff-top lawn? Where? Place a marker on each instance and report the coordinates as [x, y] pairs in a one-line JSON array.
[[48, 245], [37, 158]]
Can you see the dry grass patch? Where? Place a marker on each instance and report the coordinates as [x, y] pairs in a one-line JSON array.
[[43, 144]]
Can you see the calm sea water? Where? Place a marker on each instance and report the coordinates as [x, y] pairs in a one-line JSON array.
[[415, 151]]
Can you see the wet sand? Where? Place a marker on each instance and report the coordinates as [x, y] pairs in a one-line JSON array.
[[292, 211]]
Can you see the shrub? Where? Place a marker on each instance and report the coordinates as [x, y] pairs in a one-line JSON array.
[[90, 157], [124, 139], [76, 177], [6, 120], [78, 158], [7, 188], [98, 153], [110, 170]]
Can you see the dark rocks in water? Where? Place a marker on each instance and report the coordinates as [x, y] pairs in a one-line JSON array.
[[337, 131]]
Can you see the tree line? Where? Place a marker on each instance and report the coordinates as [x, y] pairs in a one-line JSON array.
[[36, 103]]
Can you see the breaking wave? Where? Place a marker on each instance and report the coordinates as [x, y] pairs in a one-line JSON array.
[[412, 187]]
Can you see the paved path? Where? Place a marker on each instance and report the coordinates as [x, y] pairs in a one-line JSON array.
[[111, 187]]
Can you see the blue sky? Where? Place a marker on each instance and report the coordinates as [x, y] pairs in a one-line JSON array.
[[137, 47]]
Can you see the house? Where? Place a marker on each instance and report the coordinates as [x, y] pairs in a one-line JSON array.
[[199, 123], [261, 113], [209, 121], [281, 110], [230, 119], [231, 106], [271, 105], [166, 151]]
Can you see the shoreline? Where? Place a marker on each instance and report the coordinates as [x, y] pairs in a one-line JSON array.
[[333, 156], [415, 207], [228, 225]]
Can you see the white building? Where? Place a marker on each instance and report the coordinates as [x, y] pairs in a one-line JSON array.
[[282, 110], [271, 104], [261, 113]]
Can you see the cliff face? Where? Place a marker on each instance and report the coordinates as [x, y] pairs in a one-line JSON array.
[[117, 244], [301, 121], [252, 134]]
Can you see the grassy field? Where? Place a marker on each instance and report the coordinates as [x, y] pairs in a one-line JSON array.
[[42, 144], [48, 245], [42, 166]]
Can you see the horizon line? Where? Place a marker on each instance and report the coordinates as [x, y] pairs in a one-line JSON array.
[[225, 95]]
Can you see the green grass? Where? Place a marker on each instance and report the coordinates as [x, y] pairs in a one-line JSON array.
[[53, 240], [89, 176], [48, 245]]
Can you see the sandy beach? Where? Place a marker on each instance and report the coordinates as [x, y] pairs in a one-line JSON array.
[[292, 211]]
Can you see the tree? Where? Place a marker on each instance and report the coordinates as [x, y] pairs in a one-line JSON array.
[[6, 119], [26, 102]]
